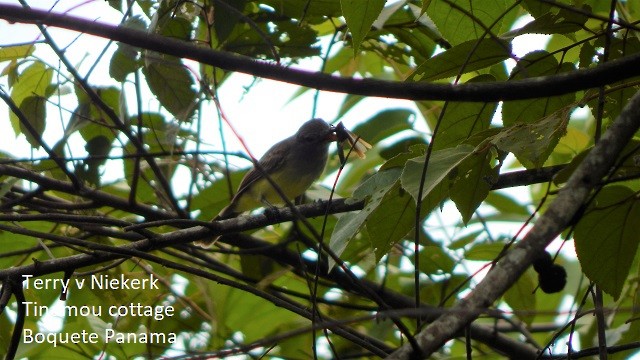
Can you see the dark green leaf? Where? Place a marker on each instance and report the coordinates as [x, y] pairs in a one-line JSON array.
[[302, 10], [225, 19], [401, 147], [464, 119], [434, 260], [485, 251], [463, 58], [538, 63], [563, 22], [440, 165], [474, 178], [172, 84], [607, 238], [33, 108], [374, 190], [521, 299], [392, 219], [456, 24], [359, 16]]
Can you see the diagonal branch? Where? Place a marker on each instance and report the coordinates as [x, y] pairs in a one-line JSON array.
[[559, 214], [544, 86]]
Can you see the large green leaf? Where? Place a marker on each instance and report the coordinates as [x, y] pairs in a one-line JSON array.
[[435, 260], [464, 119], [33, 108], [359, 16], [374, 191], [533, 143], [457, 26], [34, 81], [89, 119], [391, 220], [440, 165], [538, 63], [607, 238], [225, 19], [172, 84], [521, 299], [463, 58], [125, 59], [474, 178], [485, 251]]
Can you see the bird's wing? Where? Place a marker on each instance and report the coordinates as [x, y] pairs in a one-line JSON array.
[[270, 164]]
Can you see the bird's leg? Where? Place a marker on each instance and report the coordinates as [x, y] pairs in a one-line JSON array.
[[270, 210]]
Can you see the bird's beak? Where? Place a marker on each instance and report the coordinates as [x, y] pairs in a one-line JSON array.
[[331, 135]]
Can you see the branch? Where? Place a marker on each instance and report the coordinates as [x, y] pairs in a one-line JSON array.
[[559, 214], [544, 86]]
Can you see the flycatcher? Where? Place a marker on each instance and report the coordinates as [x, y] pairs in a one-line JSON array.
[[293, 165]]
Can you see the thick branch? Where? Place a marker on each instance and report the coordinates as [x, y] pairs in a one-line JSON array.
[[561, 211], [544, 86]]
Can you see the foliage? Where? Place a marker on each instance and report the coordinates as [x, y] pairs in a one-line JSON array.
[[273, 289]]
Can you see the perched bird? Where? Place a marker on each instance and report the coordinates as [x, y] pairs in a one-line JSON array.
[[293, 164]]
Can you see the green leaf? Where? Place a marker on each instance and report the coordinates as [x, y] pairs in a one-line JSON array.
[[33, 108], [538, 63], [469, 56], [211, 200], [484, 251], [374, 190], [359, 16], [90, 120], [506, 205], [458, 27], [34, 81], [123, 62], [9, 53], [435, 260], [474, 178], [402, 146], [125, 59], [392, 219], [521, 299], [172, 84], [533, 143], [440, 165], [607, 239], [384, 124], [464, 119], [465, 240], [224, 19]]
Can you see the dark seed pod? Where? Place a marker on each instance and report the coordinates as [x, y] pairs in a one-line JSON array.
[[544, 261], [552, 279]]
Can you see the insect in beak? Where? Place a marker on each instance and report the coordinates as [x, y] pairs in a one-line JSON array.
[[345, 137]]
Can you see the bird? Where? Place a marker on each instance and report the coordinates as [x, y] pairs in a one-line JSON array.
[[293, 164]]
